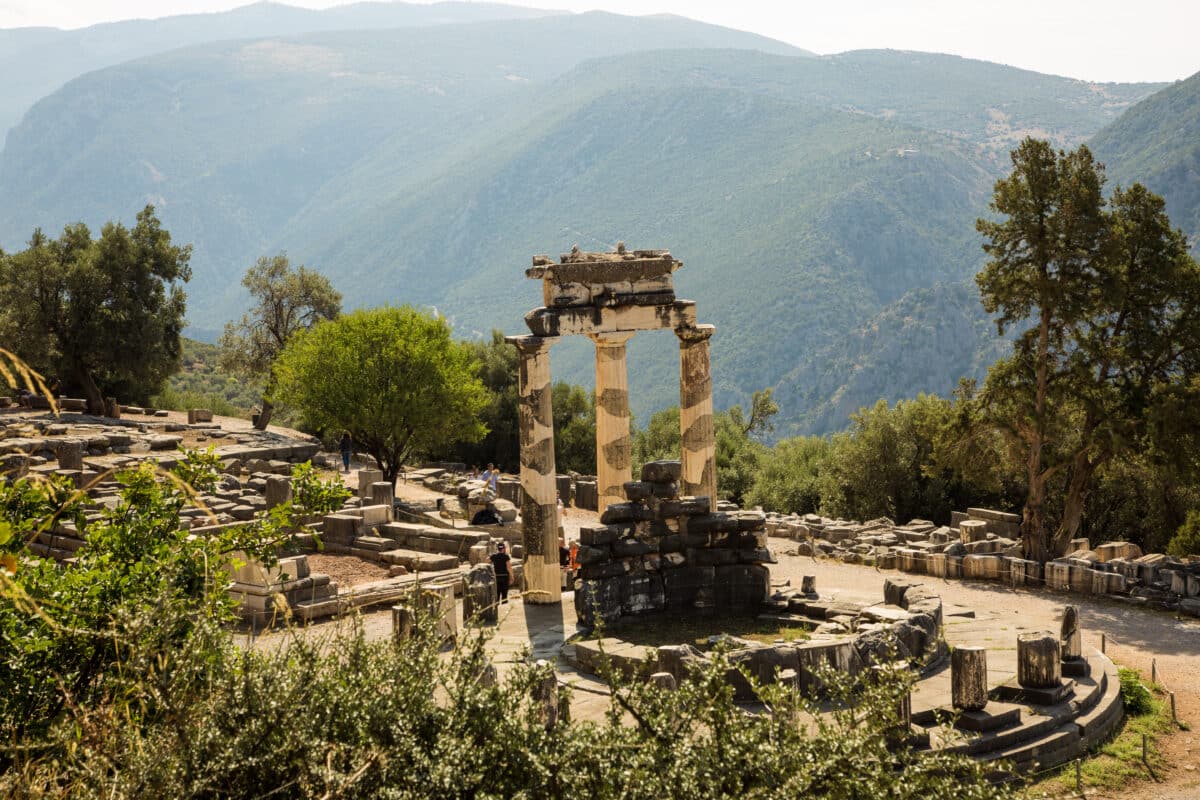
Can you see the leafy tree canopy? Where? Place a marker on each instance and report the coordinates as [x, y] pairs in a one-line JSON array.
[[1104, 299], [286, 300], [103, 315], [393, 377]]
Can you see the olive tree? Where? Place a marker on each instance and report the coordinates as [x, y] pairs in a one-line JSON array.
[[394, 378], [286, 300], [103, 315]]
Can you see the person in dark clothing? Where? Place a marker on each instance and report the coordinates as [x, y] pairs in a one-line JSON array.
[[347, 445], [502, 564], [564, 555], [486, 516]]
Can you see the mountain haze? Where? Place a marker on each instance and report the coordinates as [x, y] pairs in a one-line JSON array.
[[36, 61], [824, 207], [1157, 142]]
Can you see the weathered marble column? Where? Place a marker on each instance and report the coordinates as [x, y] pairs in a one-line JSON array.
[[696, 413], [1039, 660], [613, 466], [539, 507], [968, 678]]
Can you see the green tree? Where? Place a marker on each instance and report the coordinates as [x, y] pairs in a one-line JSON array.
[[1104, 298], [738, 450], [574, 428], [659, 440], [1186, 541], [104, 315], [393, 377], [498, 362], [789, 474], [286, 300], [883, 465]]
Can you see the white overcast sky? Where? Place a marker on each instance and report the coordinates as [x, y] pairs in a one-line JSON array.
[[1099, 40]]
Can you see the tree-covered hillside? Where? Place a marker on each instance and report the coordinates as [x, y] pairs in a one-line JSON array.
[[1157, 142], [806, 195], [37, 61]]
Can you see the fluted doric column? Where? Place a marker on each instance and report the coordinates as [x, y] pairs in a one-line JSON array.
[[539, 507], [696, 413], [613, 465]]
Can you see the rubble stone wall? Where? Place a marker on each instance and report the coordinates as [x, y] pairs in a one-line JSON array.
[[982, 544], [662, 552]]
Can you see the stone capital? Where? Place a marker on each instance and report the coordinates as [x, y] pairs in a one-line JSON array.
[[532, 345], [695, 334], [618, 339]]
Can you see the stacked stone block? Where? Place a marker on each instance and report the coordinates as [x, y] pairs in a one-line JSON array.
[[663, 552]]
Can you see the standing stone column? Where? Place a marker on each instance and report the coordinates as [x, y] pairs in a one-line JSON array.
[[70, 454], [383, 494], [539, 507], [1070, 638], [699, 452], [613, 465], [968, 678], [1039, 660]]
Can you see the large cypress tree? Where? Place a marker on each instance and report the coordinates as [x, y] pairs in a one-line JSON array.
[[1104, 299]]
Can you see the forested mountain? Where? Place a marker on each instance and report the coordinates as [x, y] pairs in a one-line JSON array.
[[1157, 142], [824, 206], [36, 61]]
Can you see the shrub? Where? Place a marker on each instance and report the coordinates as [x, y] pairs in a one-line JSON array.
[[1134, 694], [1186, 541], [198, 468], [311, 495]]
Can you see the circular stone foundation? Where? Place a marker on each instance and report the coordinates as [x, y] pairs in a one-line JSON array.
[[1030, 727]]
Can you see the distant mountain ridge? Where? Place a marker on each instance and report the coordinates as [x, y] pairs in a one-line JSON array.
[[37, 61], [1157, 142], [824, 206]]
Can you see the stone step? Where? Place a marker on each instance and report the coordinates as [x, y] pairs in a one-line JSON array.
[[417, 561]]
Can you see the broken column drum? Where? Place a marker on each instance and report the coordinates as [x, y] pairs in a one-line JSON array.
[[968, 678], [607, 297], [1039, 660]]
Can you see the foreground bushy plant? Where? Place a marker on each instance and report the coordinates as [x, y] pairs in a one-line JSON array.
[[90, 635], [199, 469], [123, 680], [311, 495], [339, 715]]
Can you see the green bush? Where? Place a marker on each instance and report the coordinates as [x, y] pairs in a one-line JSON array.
[[184, 399], [311, 495], [788, 478], [1186, 541], [1135, 695], [198, 468], [122, 679]]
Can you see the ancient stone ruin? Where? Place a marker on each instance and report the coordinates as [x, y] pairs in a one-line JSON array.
[[654, 552]]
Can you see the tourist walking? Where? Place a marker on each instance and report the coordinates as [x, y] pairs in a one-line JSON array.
[[347, 445], [502, 565]]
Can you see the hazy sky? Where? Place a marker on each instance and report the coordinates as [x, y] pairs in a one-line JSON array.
[[1100, 40]]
